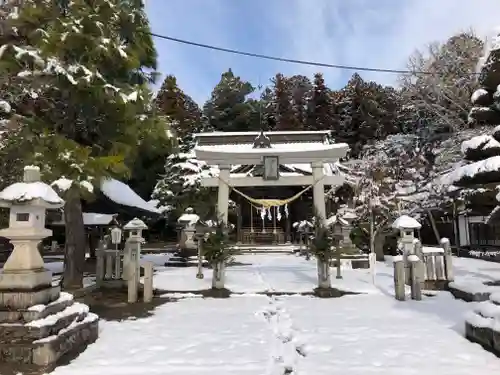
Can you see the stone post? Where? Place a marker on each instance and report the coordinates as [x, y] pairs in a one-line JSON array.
[[338, 253], [199, 273], [148, 282], [448, 259], [417, 250], [100, 270], [415, 281], [324, 281], [218, 275], [133, 276], [399, 278]]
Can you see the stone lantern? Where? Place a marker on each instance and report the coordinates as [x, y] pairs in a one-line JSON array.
[[406, 225], [24, 269], [135, 227], [132, 254], [189, 221], [38, 323]]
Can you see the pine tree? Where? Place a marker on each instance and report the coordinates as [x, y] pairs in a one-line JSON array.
[[228, 109], [320, 114], [89, 105]]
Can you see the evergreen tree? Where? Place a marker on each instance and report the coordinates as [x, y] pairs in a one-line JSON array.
[[180, 108], [267, 109], [366, 112], [148, 164], [320, 114], [301, 90], [180, 186], [89, 105], [228, 108], [285, 117]]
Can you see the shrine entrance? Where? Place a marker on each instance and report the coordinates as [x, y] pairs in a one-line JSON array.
[[246, 161]]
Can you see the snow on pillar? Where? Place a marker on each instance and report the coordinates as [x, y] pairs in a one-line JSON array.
[[319, 190], [223, 193]]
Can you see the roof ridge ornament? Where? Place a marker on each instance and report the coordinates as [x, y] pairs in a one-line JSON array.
[[262, 141]]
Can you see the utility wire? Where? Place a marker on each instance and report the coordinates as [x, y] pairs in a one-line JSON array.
[[293, 61]]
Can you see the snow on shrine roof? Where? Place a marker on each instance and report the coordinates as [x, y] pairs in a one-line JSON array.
[[24, 192], [115, 190], [406, 222], [121, 193], [292, 146], [257, 133]]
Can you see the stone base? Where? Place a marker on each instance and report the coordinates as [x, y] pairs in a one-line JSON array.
[[467, 296], [25, 279], [436, 284], [42, 334], [22, 299], [328, 293]]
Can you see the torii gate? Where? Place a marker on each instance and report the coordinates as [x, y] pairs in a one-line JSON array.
[[262, 152]]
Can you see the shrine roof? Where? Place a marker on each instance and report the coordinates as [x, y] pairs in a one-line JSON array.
[[275, 137], [289, 146]]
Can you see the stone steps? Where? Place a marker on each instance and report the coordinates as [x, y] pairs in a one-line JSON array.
[[41, 334]]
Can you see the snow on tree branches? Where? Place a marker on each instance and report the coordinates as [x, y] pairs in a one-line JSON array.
[[181, 188]]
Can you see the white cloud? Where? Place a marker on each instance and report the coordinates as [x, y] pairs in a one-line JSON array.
[[380, 33], [367, 33]]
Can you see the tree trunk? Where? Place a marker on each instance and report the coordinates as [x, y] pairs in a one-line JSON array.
[[434, 226], [379, 240], [93, 242], [218, 275], [74, 250]]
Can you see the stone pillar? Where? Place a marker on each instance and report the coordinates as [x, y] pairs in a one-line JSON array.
[[288, 230], [319, 190], [223, 193]]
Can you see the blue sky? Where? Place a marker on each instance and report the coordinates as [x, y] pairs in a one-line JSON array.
[[376, 33]]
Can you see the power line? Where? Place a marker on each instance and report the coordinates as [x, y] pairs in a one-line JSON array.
[[292, 61]]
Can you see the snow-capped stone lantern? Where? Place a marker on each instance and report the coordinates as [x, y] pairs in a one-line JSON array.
[[407, 225], [28, 202], [42, 323], [188, 221], [135, 228]]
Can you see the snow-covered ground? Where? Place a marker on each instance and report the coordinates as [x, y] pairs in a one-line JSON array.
[[370, 333], [271, 272], [470, 275]]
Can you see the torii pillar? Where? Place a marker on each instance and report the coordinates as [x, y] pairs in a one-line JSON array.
[[223, 193]]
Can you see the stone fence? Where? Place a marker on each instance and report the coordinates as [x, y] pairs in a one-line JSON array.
[[423, 268], [118, 269]]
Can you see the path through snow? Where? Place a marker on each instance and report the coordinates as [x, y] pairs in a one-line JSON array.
[[353, 335]]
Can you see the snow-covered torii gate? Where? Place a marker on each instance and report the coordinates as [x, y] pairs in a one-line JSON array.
[[271, 150]]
